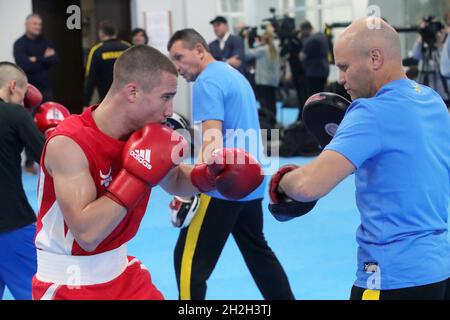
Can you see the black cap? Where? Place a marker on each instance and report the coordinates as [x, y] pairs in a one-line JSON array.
[[218, 19]]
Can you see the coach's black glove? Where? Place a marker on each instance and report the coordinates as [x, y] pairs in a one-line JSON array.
[[282, 207]]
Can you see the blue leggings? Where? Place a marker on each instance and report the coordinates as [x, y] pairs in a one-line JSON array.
[[18, 262]]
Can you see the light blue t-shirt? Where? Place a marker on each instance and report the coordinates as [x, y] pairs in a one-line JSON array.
[[222, 93], [399, 141]]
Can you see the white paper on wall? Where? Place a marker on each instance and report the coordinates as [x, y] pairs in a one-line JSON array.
[[158, 25]]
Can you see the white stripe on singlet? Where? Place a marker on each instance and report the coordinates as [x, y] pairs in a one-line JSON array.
[[50, 293]]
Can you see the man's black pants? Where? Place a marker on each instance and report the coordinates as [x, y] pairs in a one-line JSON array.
[[199, 247], [435, 291]]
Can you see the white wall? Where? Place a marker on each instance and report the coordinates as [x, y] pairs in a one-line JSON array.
[[139, 7], [185, 14], [359, 8], [260, 11], [393, 11], [12, 25], [198, 15]]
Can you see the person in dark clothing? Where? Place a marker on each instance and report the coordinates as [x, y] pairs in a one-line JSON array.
[[100, 62], [227, 47], [294, 48], [315, 59], [36, 56], [138, 36], [17, 218]]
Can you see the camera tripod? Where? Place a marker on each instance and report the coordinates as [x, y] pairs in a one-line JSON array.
[[429, 71]]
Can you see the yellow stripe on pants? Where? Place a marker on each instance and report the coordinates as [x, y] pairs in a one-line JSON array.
[[371, 295], [189, 247]]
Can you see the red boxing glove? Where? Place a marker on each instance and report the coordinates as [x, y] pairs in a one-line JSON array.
[[147, 157], [33, 97], [233, 172], [49, 115], [203, 176], [275, 195]]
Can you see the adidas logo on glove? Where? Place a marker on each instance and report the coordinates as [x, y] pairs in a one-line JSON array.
[[143, 157], [55, 114]]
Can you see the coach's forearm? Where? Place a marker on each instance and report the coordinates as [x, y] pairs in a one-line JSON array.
[[300, 186]]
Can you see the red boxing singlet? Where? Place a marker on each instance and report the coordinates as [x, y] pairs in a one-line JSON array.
[[120, 277]]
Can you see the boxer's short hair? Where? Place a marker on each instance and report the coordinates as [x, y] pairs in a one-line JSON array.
[[10, 71], [144, 64]]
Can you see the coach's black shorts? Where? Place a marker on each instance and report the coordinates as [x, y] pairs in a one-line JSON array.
[[435, 291]]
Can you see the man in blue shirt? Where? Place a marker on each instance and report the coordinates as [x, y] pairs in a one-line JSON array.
[[224, 107], [395, 138]]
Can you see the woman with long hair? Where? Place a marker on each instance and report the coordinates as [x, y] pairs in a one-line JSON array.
[[267, 71]]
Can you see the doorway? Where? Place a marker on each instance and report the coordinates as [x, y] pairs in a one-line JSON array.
[[67, 75], [73, 46]]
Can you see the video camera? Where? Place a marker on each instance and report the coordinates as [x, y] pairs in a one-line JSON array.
[[252, 34], [430, 29], [284, 26]]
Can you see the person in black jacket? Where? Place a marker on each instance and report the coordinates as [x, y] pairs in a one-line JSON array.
[[314, 57], [100, 62], [227, 47], [139, 36], [36, 56], [17, 218]]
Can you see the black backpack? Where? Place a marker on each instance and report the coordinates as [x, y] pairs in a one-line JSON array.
[[297, 141], [267, 119]]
